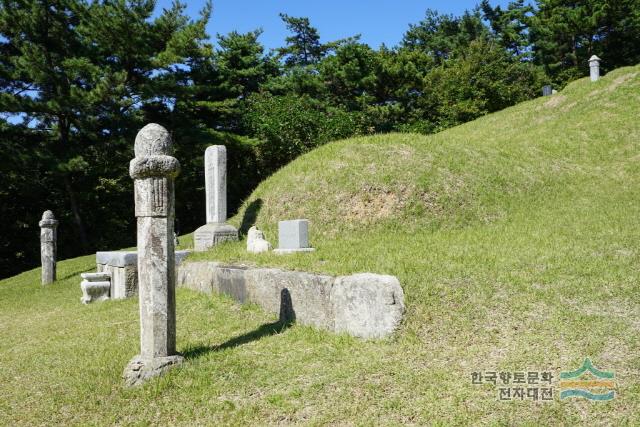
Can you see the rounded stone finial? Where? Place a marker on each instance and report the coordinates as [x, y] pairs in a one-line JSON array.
[[153, 148], [48, 220], [594, 58], [153, 140]]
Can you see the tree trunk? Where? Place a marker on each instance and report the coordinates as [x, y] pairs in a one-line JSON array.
[[84, 242]]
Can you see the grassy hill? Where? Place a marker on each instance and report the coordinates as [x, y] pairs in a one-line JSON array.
[[516, 238]]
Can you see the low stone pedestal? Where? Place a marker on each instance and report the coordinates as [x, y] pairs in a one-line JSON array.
[[140, 370], [210, 235], [95, 287], [122, 267]]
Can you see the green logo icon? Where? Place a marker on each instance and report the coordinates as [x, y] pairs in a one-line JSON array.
[[587, 382]]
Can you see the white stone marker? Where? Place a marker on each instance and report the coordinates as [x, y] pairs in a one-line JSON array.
[[216, 230], [153, 171], [256, 242], [594, 68], [293, 236], [48, 247]]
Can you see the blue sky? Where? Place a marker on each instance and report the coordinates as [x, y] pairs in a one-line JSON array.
[[379, 21]]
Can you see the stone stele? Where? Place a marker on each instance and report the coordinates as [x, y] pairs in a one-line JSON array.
[[216, 230], [153, 171], [48, 247]]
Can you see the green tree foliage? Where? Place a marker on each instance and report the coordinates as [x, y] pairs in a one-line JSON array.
[[350, 76], [290, 125], [478, 80], [441, 35], [228, 76], [510, 25], [82, 78], [301, 57], [303, 46], [564, 35]]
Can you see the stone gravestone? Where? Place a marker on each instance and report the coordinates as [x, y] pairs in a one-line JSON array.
[[153, 171], [48, 247], [547, 90], [216, 230], [293, 236]]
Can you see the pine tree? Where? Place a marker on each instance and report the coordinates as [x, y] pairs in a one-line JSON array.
[[83, 77], [441, 35], [565, 34], [510, 25]]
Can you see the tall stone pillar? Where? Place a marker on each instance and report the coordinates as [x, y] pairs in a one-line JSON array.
[[153, 171], [594, 68], [216, 230], [48, 247]]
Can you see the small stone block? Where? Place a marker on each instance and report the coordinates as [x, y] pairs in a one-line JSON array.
[[125, 259], [293, 235], [211, 235], [94, 291]]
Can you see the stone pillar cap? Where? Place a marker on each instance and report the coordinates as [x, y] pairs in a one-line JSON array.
[[153, 140], [48, 220], [594, 58], [153, 149]]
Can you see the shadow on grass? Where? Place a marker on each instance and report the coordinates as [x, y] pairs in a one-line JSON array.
[[286, 320], [250, 215], [75, 272], [265, 330]]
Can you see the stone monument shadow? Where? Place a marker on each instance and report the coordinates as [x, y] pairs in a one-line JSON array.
[[250, 216], [286, 320]]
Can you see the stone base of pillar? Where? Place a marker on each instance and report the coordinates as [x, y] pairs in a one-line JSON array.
[[140, 370], [292, 251], [213, 234]]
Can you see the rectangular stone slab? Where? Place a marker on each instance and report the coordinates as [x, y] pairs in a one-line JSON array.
[[125, 258], [363, 305]]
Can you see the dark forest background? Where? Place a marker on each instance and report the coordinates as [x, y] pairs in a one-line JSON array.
[[78, 79]]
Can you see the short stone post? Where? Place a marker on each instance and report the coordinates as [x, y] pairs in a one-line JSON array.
[[293, 236], [48, 247], [547, 90], [594, 68], [216, 230], [153, 171]]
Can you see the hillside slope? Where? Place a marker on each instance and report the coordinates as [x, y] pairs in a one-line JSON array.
[[516, 239]]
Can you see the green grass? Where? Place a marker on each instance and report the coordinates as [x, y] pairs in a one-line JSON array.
[[517, 241]]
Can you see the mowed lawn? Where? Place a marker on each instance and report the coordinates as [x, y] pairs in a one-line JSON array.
[[516, 238]]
